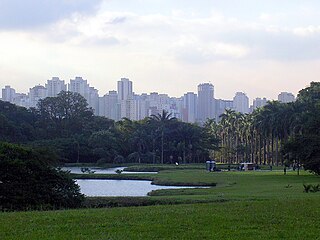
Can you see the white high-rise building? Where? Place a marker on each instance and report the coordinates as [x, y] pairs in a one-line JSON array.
[[286, 97], [109, 106], [241, 102], [206, 108], [221, 106], [22, 99], [8, 94], [79, 85], [125, 89], [176, 107], [36, 93], [189, 107], [259, 102], [55, 86], [93, 100], [125, 94]]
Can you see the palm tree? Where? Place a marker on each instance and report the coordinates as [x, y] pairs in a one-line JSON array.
[[162, 120], [228, 123]]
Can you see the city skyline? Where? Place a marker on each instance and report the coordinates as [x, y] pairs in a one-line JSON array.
[[125, 103], [261, 48], [116, 84]]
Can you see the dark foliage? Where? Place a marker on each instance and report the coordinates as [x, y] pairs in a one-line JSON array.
[[29, 182]]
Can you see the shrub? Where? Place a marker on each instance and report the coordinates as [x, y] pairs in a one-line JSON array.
[[311, 188], [26, 182]]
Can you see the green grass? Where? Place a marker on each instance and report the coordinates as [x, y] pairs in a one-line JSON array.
[[162, 167], [242, 205]]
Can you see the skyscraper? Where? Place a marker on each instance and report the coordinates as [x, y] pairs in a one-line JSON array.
[[8, 94], [241, 102], [55, 86], [206, 108], [221, 106], [190, 107], [93, 100], [125, 95], [259, 102], [79, 85], [36, 93], [125, 89], [109, 106], [286, 97]]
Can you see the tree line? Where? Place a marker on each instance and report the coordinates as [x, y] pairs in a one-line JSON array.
[[65, 127], [276, 134]]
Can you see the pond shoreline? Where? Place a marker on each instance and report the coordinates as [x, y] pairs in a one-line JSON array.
[[141, 177]]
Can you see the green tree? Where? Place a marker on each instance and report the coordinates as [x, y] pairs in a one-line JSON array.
[[29, 182], [65, 114], [162, 122]]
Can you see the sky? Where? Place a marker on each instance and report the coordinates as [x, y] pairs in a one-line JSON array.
[[258, 47]]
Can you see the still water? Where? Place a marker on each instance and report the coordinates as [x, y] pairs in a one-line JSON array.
[[117, 188]]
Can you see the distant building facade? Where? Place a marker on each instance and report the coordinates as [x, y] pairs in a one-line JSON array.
[[259, 102], [35, 94], [189, 112], [8, 94], [286, 97], [205, 106], [241, 102], [55, 86]]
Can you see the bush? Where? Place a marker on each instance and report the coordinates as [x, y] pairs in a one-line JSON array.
[[311, 188], [26, 182]]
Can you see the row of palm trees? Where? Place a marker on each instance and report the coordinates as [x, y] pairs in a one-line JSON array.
[[257, 137]]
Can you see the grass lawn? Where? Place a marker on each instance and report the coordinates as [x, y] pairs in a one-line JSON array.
[[242, 205]]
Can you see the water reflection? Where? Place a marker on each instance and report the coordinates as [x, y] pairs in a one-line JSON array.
[[117, 188]]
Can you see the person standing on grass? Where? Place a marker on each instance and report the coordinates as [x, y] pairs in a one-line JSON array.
[[285, 170]]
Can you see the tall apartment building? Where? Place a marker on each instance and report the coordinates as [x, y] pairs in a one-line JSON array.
[[206, 108], [35, 94], [259, 102], [241, 102], [55, 86], [22, 100], [221, 106], [125, 89], [176, 107], [189, 112], [8, 94], [125, 94], [93, 100], [109, 106], [79, 85], [286, 97]]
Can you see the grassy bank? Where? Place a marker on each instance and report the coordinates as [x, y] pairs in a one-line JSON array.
[[292, 219], [242, 205]]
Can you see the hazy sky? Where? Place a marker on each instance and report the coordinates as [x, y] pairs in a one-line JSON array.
[[169, 46]]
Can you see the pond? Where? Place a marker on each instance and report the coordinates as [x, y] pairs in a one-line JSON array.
[[102, 170], [119, 188]]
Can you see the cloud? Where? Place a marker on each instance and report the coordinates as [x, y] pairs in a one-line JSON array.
[[199, 52], [17, 14], [307, 31]]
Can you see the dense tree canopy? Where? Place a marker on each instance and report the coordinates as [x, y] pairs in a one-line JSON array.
[[278, 133], [64, 126], [275, 134], [27, 181]]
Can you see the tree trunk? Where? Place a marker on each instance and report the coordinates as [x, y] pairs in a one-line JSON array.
[[162, 135], [277, 150]]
